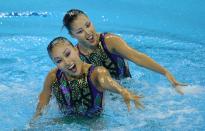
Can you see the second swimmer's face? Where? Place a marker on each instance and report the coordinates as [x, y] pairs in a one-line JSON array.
[[66, 58], [83, 30]]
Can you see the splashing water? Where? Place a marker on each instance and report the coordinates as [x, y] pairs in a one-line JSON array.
[[178, 46]]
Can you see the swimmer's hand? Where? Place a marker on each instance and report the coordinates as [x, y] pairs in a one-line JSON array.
[[35, 118], [128, 96], [175, 83]]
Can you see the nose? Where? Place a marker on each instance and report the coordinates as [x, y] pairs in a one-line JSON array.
[[87, 31], [67, 61]]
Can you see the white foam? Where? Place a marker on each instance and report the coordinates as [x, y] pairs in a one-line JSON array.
[[17, 90], [3, 88], [193, 89]]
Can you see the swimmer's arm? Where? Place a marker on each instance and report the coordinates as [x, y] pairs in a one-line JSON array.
[[45, 95], [119, 46], [105, 82]]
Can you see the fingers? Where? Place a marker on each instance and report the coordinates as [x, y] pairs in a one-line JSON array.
[[140, 96], [174, 81], [179, 90], [31, 123], [138, 105], [175, 84], [128, 104], [183, 84], [136, 98], [137, 102]]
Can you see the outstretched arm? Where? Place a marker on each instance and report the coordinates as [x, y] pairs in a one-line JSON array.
[[118, 46], [45, 95], [104, 81]]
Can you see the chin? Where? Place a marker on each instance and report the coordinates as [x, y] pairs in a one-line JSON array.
[[77, 73], [93, 44]]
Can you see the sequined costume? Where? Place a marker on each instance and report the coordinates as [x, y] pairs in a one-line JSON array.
[[101, 56], [77, 97]]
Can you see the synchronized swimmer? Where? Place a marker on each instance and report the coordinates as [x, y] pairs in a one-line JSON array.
[[85, 71]]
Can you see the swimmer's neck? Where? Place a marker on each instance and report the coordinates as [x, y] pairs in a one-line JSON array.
[[87, 50], [84, 70]]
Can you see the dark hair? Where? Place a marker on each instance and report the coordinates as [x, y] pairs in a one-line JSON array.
[[56, 41], [70, 16]]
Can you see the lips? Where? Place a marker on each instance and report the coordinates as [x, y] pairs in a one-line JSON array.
[[72, 68], [91, 39]]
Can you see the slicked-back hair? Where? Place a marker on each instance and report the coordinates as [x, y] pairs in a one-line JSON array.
[[56, 41], [70, 16]]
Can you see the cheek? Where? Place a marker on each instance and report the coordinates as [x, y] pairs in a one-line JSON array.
[[74, 56], [60, 66], [78, 37], [81, 36], [92, 28]]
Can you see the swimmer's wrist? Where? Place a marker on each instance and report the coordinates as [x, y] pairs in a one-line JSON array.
[[123, 91], [37, 115], [39, 111]]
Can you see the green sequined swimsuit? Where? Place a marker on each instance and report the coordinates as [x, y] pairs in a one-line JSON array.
[[77, 96], [115, 64]]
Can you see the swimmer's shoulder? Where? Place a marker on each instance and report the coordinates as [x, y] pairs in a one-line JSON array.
[[98, 76], [52, 74], [110, 36], [50, 78], [99, 72], [112, 40]]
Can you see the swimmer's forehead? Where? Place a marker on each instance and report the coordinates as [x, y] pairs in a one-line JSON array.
[[61, 42], [80, 21], [60, 49]]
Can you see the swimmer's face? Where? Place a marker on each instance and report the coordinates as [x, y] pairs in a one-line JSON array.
[[83, 30], [67, 59]]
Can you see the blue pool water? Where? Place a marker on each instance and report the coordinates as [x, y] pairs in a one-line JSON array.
[[171, 32]]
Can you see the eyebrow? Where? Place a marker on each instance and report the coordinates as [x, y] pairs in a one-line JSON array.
[[63, 53], [65, 50], [87, 22], [78, 29]]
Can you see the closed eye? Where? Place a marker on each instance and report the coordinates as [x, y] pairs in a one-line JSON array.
[[88, 25], [58, 61], [80, 31], [67, 54]]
